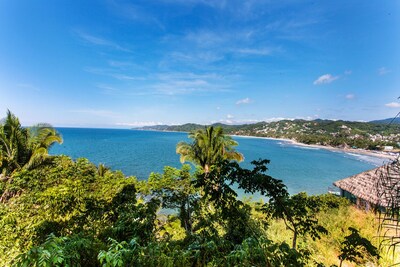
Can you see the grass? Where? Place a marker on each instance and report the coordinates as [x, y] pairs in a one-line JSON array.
[[337, 221]]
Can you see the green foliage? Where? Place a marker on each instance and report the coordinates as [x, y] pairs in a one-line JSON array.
[[176, 191], [60, 251], [72, 213], [209, 146], [299, 214], [24, 147], [355, 247], [70, 198]]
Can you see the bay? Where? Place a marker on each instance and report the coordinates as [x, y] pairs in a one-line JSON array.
[[138, 153]]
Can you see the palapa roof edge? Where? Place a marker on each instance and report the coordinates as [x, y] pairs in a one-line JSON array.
[[378, 186]]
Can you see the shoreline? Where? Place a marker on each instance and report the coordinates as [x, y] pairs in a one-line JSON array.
[[377, 154], [343, 150]]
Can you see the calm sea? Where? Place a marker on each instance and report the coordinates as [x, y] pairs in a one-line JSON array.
[[139, 153]]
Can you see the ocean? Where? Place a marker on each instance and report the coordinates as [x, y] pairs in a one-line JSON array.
[[138, 153]]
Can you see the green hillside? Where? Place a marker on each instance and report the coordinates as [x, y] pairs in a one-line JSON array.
[[339, 133]]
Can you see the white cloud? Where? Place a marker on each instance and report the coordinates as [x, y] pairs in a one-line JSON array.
[[277, 119], [307, 118], [229, 116], [326, 78], [243, 101], [383, 71], [393, 105], [350, 96]]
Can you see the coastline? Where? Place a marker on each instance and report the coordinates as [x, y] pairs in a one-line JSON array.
[[377, 154], [336, 149]]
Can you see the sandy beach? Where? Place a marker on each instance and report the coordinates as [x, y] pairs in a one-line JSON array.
[[371, 153]]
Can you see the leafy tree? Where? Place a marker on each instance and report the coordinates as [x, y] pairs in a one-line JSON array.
[[176, 191], [209, 146], [355, 247], [299, 215], [129, 219], [298, 212]]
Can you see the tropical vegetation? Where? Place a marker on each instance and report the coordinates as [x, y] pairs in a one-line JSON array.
[[24, 147], [209, 146], [65, 212]]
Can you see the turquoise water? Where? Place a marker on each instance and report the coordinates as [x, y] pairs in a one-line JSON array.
[[139, 153]]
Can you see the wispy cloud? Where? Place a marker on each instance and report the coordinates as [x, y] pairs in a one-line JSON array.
[[205, 48], [181, 83], [350, 96], [326, 78], [296, 29], [393, 105], [108, 90], [220, 4], [125, 65], [99, 41], [117, 74], [179, 87], [229, 116], [255, 51], [134, 12], [244, 101], [383, 71], [126, 77], [194, 57]]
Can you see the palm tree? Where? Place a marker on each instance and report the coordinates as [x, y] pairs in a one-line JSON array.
[[24, 147], [13, 140], [208, 147], [102, 170], [41, 138]]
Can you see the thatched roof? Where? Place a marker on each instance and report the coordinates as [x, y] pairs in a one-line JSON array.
[[380, 186]]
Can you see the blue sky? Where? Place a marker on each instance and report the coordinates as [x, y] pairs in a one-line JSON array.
[[118, 63]]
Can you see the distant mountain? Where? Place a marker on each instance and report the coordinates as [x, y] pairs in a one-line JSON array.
[[387, 121]]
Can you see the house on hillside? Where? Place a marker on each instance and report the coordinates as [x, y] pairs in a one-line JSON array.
[[378, 188], [388, 148]]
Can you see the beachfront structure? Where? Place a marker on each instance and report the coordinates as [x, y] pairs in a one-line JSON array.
[[388, 148], [378, 188]]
